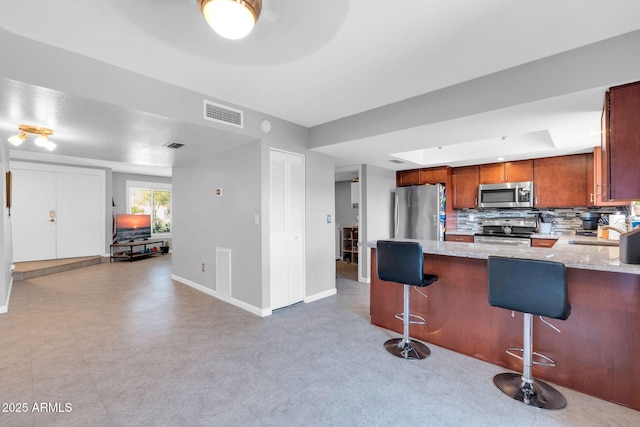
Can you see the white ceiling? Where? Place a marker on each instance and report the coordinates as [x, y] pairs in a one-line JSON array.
[[313, 62]]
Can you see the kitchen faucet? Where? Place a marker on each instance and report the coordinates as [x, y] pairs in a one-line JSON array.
[[611, 227]]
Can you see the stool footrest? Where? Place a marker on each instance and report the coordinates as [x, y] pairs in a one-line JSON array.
[[421, 320], [547, 361]]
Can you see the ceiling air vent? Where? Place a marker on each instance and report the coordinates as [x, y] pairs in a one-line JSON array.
[[396, 161], [174, 145], [221, 114]]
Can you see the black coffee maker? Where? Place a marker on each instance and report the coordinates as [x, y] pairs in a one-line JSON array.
[[589, 224]]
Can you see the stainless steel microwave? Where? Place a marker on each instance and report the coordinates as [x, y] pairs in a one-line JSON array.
[[506, 195]]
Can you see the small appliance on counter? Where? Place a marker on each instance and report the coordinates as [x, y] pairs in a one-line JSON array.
[[589, 224]]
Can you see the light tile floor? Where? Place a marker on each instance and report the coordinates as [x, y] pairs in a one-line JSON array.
[[125, 346]]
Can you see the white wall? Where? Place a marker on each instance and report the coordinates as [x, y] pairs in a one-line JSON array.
[[203, 221], [346, 214], [595, 66], [320, 234], [247, 164], [376, 212], [6, 251]]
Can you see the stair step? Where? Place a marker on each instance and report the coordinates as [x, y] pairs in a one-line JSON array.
[[32, 269]]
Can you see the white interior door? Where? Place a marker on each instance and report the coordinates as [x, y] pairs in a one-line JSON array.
[[286, 228], [59, 212], [34, 203], [80, 213]]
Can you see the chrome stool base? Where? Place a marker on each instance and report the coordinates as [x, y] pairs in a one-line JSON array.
[[537, 393], [411, 350]]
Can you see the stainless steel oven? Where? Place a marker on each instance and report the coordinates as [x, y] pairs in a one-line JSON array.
[[507, 231], [506, 195]]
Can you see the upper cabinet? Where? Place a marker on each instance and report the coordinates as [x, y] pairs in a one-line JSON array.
[[496, 173], [621, 143], [409, 177], [434, 175], [597, 193], [465, 187], [560, 181], [437, 175]]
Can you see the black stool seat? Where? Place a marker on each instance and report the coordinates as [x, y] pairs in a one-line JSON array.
[[403, 262], [531, 287]]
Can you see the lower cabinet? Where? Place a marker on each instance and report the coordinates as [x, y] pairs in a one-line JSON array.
[[542, 243], [458, 238]]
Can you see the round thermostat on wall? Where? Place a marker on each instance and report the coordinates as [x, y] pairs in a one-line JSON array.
[[265, 126]]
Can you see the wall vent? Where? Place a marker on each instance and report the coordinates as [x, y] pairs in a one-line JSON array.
[[223, 272], [174, 145], [221, 114]]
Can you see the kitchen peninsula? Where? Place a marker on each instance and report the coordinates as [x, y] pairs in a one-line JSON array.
[[597, 348]]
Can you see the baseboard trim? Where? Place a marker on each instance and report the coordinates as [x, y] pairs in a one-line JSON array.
[[320, 295], [240, 304], [5, 308]]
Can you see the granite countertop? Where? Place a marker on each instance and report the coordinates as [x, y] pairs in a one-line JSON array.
[[587, 257]]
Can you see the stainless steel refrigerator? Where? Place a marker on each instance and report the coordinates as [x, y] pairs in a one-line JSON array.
[[420, 212]]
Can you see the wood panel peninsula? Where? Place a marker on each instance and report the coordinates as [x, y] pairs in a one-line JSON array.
[[598, 348]]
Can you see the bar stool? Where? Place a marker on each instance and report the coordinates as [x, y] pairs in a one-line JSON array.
[[533, 288], [402, 262]]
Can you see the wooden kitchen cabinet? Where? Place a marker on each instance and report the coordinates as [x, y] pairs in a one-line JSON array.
[[437, 175], [542, 243], [465, 187], [458, 238], [621, 143], [560, 181], [597, 193], [496, 173], [408, 177]]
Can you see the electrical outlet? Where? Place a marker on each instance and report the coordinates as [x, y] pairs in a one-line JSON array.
[[203, 266]]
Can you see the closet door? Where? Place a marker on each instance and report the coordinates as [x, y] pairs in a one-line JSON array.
[[286, 228], [80, 213], [33, 215], [59, 212]]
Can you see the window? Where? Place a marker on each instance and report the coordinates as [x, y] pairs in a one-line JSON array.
[[153, 199]]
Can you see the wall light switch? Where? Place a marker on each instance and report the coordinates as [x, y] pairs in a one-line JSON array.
[[256, 219], [328, 219]]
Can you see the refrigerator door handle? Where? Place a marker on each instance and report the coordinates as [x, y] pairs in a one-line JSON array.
[[396, 214]]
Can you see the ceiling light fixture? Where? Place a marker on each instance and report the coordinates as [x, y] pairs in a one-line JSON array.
[[231, 19], [41, 141]]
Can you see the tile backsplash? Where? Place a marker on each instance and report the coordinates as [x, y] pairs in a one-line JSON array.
[[563, 220]]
